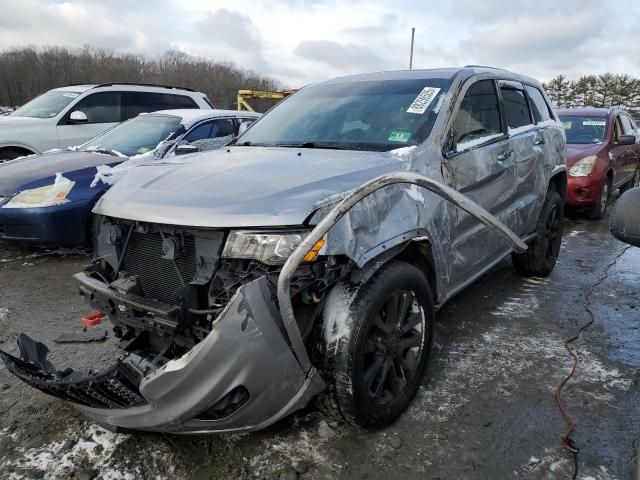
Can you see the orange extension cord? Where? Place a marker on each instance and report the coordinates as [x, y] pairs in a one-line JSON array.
[[567, 441]]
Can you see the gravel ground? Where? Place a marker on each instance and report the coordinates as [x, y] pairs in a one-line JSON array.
[[485, 410]]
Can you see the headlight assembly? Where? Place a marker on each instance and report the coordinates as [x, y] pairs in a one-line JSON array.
[[272, 248], [583, 167], [46, 196]]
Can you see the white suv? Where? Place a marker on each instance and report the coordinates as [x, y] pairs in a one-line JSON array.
[[72, 115]]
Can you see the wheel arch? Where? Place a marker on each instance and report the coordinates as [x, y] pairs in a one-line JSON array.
[[417, 251], [558, 183], [22, 150]]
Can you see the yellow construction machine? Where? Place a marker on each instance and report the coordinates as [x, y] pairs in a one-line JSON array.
[[244, 95]]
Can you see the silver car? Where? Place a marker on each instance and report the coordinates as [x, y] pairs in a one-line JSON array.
[[69, 116], [310, 257]]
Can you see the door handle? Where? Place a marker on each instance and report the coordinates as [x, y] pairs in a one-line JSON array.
[[504, 155], [539, 141]]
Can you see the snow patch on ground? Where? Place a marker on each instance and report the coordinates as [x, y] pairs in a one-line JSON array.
[[92, 448], [502, 356], [308, 445], [554, 464]]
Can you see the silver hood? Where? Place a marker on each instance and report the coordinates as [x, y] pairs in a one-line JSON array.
[[242, 186]]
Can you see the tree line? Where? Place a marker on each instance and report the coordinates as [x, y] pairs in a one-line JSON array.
[[28, 71], [606, 90]]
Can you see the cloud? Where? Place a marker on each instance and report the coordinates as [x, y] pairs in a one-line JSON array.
[[336, 55], [75, 24], [301, 41], [529, 39], [230, 28]]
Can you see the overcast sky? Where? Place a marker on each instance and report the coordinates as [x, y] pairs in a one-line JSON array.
[[301, 41]]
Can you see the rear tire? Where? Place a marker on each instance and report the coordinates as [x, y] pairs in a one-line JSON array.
[[598, 210], [542, 254], [378, 339]]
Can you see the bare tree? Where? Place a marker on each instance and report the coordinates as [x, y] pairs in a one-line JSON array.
[[27, 72]]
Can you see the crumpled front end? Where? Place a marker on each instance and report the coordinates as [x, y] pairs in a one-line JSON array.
[[242, 376]]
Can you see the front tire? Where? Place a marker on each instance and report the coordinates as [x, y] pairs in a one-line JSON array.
[[542, 254], [378, 341], [598, 210]]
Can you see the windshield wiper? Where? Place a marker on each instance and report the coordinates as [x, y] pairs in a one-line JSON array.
[[103, 150], [251, 144], [326, 145]]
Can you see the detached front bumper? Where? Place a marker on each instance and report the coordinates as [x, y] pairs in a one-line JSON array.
[[243, 376]]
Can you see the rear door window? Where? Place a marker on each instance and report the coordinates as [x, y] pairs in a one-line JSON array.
[[143, 102], [516, 108], [101, 107], [539, 107], [478, 119], [212, 135]]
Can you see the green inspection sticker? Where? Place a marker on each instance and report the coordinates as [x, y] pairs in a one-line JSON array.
[[399, 136]]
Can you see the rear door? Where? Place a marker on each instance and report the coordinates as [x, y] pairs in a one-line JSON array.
[[103, 111], [479, 163], [526, 112]]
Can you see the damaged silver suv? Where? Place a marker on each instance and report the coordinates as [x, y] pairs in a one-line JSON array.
[[309, 258]]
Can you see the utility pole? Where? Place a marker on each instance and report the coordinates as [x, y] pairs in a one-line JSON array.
[[413, 32]]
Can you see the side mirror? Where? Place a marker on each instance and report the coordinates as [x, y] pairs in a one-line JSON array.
[[78, 117], [625, 218], [244, 126], [186, 149], [626, 140]]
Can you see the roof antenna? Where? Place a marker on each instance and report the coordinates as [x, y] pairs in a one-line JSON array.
[[413, 32]]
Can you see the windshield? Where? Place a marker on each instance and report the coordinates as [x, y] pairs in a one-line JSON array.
[[47, 105], [584, 129], [136, 136], [367, 115]]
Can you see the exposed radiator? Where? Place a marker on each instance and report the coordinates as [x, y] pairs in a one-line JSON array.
[[158, 276]]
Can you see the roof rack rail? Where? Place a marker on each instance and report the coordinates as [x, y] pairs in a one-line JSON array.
[[110, 84], [484, 66]]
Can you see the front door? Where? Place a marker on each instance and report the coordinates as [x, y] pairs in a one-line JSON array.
[[480, 164], [103, 111]]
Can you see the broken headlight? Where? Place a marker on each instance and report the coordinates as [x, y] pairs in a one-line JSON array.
[[46, 196], [271, 248]]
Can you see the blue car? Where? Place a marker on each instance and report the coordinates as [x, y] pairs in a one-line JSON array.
[[47, 199]]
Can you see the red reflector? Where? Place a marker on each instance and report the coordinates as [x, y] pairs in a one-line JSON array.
[[92, 319]]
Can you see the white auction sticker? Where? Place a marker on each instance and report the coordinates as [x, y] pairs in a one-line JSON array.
[[423, 100], [70, 95], [594, 123]]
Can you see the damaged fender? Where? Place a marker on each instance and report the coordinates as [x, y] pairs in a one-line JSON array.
[[340, 210]]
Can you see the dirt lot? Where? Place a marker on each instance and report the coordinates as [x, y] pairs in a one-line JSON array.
[[486, 408]]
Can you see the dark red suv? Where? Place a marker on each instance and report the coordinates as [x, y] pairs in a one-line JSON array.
[[603, 154]]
